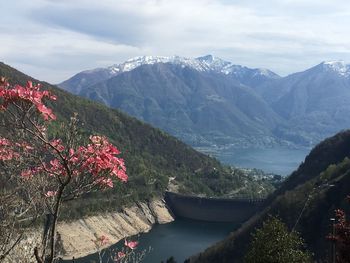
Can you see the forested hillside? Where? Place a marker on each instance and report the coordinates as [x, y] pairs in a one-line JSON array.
[[305, 202], [152, 157]]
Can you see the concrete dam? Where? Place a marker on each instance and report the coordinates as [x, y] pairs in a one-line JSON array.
[[212, 209]]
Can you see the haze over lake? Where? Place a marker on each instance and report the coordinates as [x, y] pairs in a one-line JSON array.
[[278, 160]]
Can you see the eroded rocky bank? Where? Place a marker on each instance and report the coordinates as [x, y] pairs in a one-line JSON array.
[[76, 237]]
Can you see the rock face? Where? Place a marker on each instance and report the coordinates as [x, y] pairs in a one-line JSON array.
[[76, 237]]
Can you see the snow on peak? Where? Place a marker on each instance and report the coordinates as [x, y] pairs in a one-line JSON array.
[[205, 63], [133, 63], [214, 63], [265, 72], [339, 67], [225, 67]]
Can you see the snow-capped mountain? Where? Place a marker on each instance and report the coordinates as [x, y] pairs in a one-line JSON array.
[[207, 63], [339, 67], [200, 100], [315, 102], [210, 99]]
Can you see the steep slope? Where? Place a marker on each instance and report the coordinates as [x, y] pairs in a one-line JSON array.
[[315, 102], [191, 99], [86, 78], [152, 157], [319, 186], [304, 107], [202, 101]]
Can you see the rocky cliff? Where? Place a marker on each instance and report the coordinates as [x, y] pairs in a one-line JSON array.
[[76, 237]]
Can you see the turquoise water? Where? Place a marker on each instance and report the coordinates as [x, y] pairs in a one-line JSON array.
[[276, 160], [180, 239]]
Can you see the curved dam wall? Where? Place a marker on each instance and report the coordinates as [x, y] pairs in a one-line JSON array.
[[212, 209]]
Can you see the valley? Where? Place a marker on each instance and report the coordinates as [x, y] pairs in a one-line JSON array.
[[177, 131], [212, 103], [249, 172]]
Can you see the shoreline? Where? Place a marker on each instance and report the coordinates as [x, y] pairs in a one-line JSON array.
[[76, 237]]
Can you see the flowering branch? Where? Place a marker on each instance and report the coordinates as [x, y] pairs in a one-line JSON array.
[[50, 170]]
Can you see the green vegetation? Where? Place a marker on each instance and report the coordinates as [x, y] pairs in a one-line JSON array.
[[151, 156], [304, 202], [274, 243]]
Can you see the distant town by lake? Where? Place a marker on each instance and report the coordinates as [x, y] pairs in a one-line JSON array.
[[277, 160]]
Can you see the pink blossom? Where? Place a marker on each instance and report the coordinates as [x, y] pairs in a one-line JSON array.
[[27, 173], [46, 112], [119, 256], [100, 156], [7, 151], [50, 193], [131, 244], [57, 143], [105, 182], [31, 93], [103, 240]]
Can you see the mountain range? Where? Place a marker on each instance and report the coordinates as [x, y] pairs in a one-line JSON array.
[[207, 101], [305, 201]]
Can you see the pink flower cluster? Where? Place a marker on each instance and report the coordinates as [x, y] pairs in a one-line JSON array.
[[120, 255], [6, 150], [98, 157], [131, 244], [10, 150], [30, 93]]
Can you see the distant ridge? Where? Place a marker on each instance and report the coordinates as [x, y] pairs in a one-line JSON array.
[[203, 101], [207, 101], [204, 63]]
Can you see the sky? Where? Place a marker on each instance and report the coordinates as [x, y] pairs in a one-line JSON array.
[[54, 39]]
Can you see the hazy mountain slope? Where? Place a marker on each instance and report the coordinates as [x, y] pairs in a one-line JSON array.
[[86, 78], [304, 107], [152, 156], [315, 102], [202, 64], [323, 179], [201, 101]]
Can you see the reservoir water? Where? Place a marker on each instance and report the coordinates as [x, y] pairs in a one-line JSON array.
[[181, 239], [184, 238]]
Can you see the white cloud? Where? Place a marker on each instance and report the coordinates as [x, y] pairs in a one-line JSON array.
[[53, 40]]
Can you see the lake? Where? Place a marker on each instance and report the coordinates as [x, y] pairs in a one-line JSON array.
[[278, 160], [181, 239]]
